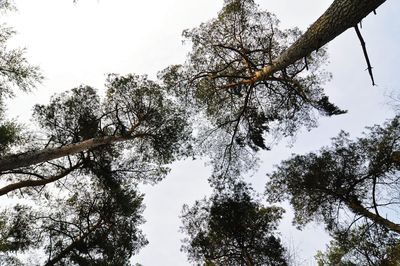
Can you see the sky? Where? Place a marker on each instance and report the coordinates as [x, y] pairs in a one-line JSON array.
[[80, 43]]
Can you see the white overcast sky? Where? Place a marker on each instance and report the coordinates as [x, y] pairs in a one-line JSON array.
[[79, 43]]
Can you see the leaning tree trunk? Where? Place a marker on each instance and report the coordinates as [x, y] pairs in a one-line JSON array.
[[15, 161], [341, 15], [38, 156], [357, 208]]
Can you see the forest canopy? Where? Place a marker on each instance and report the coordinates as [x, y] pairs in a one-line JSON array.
[[74, 178]]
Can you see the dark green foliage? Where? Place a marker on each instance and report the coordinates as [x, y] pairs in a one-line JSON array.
[[330, 109], [9, 135], [217, 81], [362, 173], [360, 176], [365, 245], [14, 230], [109, 212], [71, 117], [135, 107], [137, 110], [231, 228], [96, 225], [15, 71], [95, 222], [136, 103], [108, 222]]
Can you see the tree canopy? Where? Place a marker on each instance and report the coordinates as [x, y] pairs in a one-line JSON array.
[[217, 82], [92, 226], [360, 175], [232, 228], [352, 187], [365, 245]]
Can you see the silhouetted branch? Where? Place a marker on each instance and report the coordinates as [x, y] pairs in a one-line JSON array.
[[364, 48]]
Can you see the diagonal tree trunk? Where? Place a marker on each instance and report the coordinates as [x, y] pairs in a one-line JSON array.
[[357, 208], [38, 156], [340, 16], [15, 161]]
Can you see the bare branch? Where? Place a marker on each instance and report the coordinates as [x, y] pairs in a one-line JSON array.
[[35, 183], [364, 48]]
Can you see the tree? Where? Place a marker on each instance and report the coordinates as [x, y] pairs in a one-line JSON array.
[[135, 112], [365, 245], [360, 176], [352, 187], [86, 209], [231, 228], [92, 226], [15, 73], [218, 81], [250, 78]]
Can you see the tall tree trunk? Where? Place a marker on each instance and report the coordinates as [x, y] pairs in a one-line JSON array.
[[340, 16], [38, 156], [357, 208]]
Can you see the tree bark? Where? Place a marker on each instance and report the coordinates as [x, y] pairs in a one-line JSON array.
[[38, 156], [340, 16], [357, 208]]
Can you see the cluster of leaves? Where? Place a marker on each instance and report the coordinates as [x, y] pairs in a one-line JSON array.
[[232, 228], [152, 113], [9, 135], [366, 245], [70, 117], [136, 111], [218, 81], [15, 73]]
